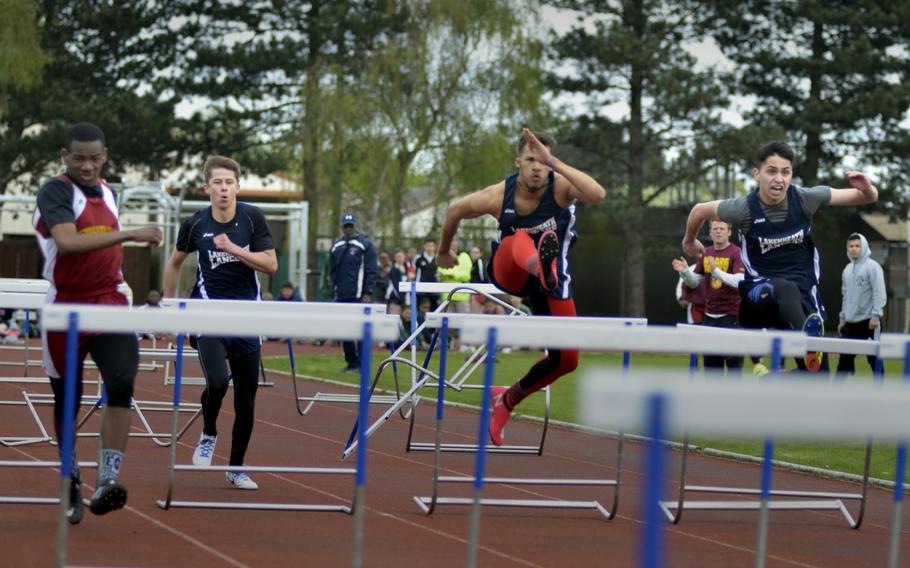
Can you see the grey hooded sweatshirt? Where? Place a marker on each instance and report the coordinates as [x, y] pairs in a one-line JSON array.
[[862, 287]]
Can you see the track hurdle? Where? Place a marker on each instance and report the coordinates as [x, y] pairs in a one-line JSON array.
[[434, 321], [565, 333], [674, 403], [673, 510], [428, 504], [894, 346], [421, 375], [75, 318], [31, 295]]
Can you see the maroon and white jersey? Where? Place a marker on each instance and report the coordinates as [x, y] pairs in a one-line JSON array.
[[78, 277]]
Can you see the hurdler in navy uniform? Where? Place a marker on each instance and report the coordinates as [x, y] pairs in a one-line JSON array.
[[232, 242]]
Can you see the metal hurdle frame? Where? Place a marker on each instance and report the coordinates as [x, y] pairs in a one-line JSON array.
[[72, 318], [331, 309], [675, 404], [31, 295], [821, 500], [563, 333], [421, 373], [419, 381], [894, 346], [444, 322]]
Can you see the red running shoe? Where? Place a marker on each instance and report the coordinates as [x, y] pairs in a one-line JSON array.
[[501, 414], [547, 250]]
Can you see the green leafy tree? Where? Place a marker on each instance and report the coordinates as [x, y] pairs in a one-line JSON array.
[[460, 71], [21, 56], [832, 75], [630, 52], [275, 77], [101, 62]]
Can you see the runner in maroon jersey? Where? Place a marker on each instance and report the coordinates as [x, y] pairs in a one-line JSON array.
[[76, 223]]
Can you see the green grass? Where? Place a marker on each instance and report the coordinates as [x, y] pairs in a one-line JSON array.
[[844, 457]]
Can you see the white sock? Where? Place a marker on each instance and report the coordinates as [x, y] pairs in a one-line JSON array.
[[109, 467]]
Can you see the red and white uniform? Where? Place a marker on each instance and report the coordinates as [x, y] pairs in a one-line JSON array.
[[87, 278]]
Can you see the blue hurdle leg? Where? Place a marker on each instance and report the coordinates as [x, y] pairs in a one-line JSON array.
[[480, 463], [178, 382], [366, 362], [651, 552], [67, 434], [899, 476], [762, 537]]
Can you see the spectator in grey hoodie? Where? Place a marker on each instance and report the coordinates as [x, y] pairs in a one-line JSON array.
[[863, 291]]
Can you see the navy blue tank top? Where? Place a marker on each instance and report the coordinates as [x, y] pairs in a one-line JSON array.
[[784, 250], [548, 216]]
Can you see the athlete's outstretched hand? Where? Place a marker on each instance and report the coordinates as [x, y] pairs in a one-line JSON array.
[[694, 248], [536, 148], [859, 180], [445, 260], [680, 265]]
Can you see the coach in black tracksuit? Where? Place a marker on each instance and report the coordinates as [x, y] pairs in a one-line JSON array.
[[352, 264]]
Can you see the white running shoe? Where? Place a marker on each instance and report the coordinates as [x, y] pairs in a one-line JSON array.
[[240, 480], [205, 449]]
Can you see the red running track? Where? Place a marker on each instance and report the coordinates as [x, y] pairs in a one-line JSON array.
[[397, 533]]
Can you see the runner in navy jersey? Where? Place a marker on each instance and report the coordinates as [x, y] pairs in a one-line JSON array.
[[79, 234], [780, 288], [231, 241], [536, 213]]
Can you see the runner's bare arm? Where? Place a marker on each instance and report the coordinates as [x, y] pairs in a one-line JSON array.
[[861, 192], [487, 201], [172, 272], [700, 213], [71, 241], [571, 184]]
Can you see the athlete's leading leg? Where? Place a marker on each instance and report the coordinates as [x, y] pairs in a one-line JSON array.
[[117, 358], [212, 355], [54, 352], [547, 369], [513, 261], [245, 370]]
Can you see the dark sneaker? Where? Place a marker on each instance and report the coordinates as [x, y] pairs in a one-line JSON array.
[[77, 507], [350, 370], [501, 415], [814, 326], [108, 496], [547, 251]]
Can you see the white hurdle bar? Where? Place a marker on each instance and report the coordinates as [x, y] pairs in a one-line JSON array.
[[564, 333], [26, 295], [673, 509], [266, 309], [309, 309], [74, 318], [676, 403]]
